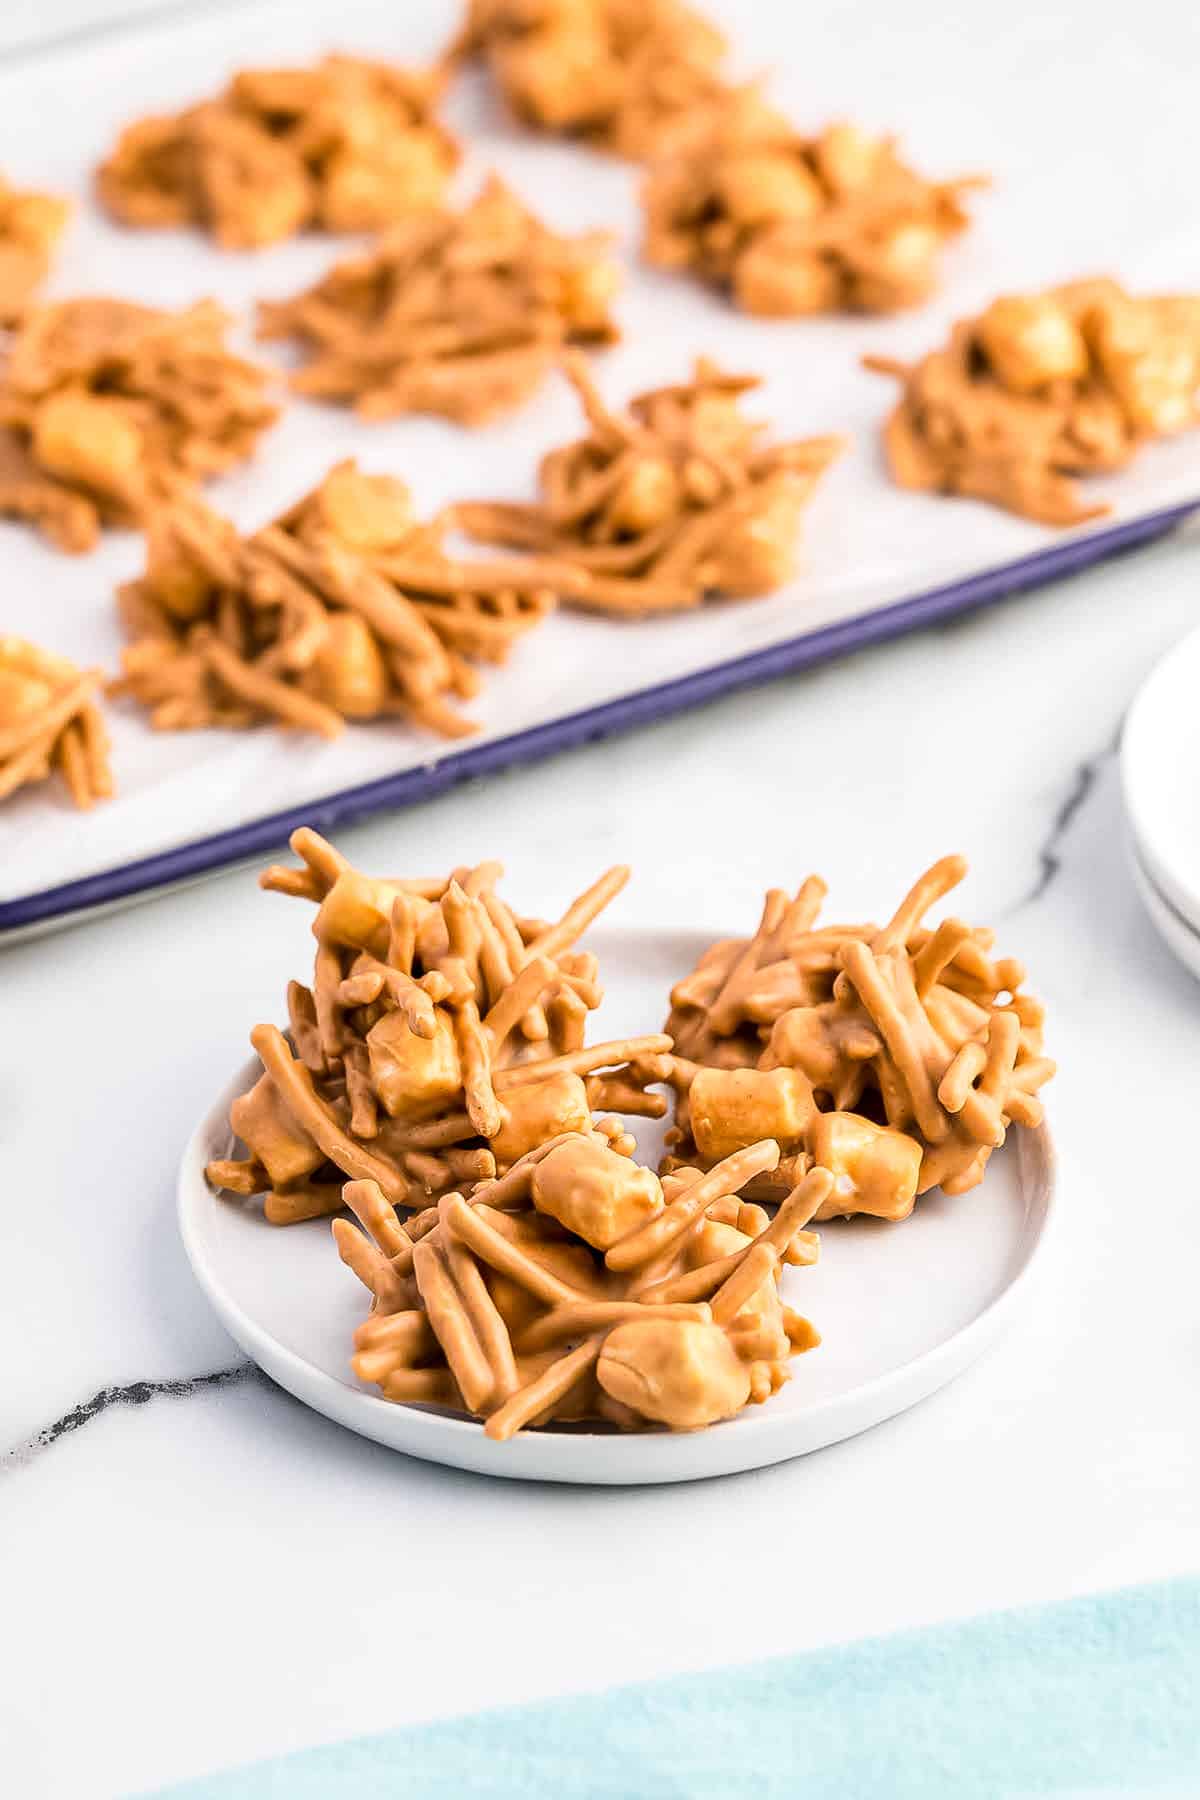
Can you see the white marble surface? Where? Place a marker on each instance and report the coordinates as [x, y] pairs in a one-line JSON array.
[[195, 1571], [212, 1574]]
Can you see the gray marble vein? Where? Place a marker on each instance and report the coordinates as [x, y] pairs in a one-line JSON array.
[[134, 1393], [1082, 785]]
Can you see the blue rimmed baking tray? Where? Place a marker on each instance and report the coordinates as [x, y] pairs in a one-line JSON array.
[[190, 861], [877, 562]]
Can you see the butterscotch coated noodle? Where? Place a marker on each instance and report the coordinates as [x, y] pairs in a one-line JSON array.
[[581, 1286], [457, 312], [341, 145], [50, 723], [623, 75], [442, 1037], [894, 1057], [1041, 389], [31, 224], [107, 409], [344, 609], [656, 508], [789, 224]]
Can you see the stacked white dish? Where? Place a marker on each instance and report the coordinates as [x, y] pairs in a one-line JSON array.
[[1160, 776]]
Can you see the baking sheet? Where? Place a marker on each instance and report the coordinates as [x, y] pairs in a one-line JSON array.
[[1067, 201]]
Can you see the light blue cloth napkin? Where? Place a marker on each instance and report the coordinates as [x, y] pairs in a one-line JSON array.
[[1099, 1696]]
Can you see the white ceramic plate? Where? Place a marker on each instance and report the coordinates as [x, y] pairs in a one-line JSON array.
[[902, 1309], [1173, 928], [1160, 776]]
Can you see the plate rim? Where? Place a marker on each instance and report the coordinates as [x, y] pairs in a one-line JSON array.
[[1155, 862], [1181, 938], [635, 1459]]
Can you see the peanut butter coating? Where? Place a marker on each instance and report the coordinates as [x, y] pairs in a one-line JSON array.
[[50, 723], [622, 75], [340, 145], [518, 1319], [31, 224], [441, 1042], [790, 225], [684, 1375], [1041, 390], [460, 312], [567, 1284], [597, 1195], [732, 1107], [345, 608], [895, 1057], [110, 410], [656, 508]]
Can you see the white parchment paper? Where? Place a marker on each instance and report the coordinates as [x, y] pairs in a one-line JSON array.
[[1093, 164]]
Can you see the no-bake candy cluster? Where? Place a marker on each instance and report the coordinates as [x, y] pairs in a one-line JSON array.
[[342, 145], [457, 312], [344, 608], [895, 1057], [622, 74], [31, 224], [658, 507], [442, 1037], [49, 721], [1043, 388], [580, 1286], [109, 409], [791, 225]]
